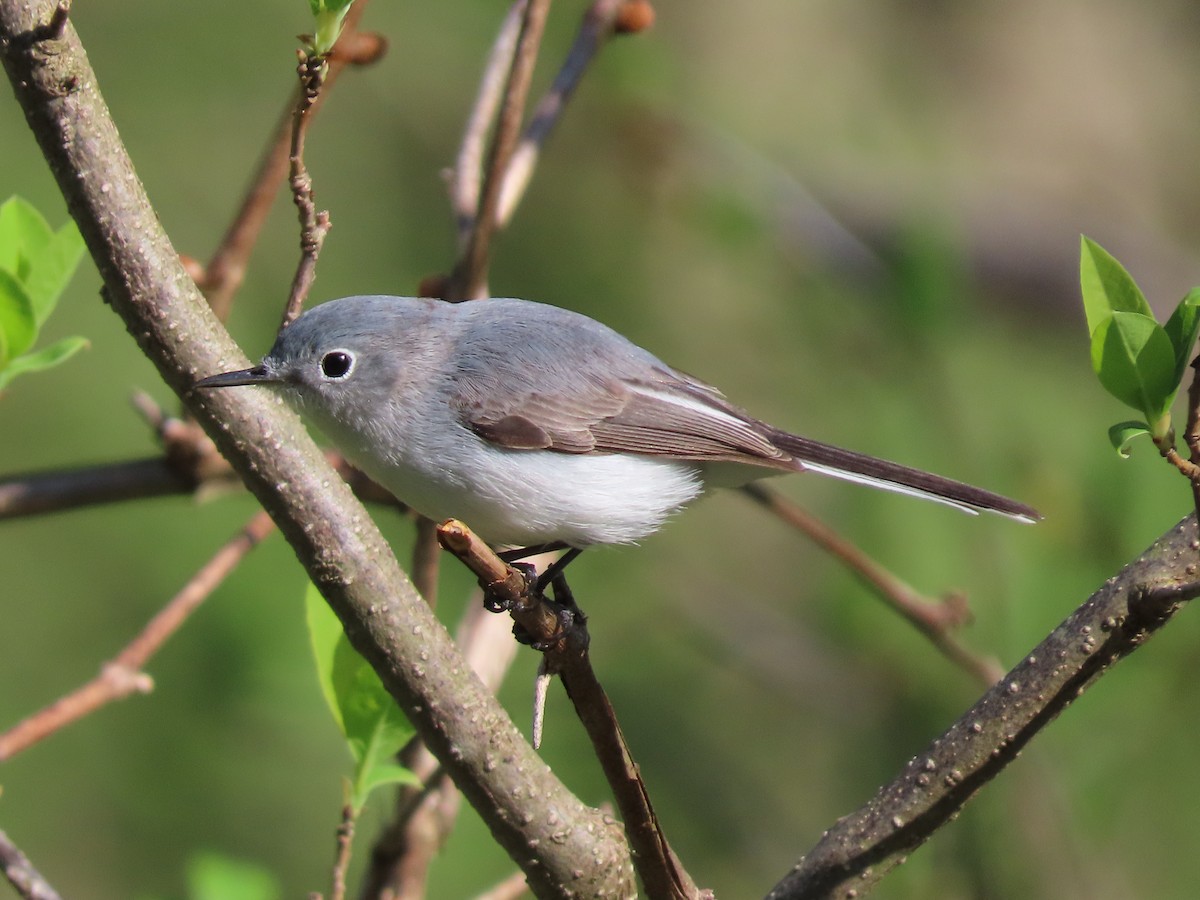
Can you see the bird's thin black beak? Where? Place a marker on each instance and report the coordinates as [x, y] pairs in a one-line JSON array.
[[254, 375]]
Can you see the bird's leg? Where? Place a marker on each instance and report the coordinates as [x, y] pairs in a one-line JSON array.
[[511, 556], [571, 619], [555, 569]]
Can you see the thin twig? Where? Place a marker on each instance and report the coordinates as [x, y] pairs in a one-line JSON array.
[[314, 223], [567, 656], [596, 27], [1191, 434], [345, 842], [466, 178], [21, 874], [123, 675], [933, 618], [426, 561], [226, 269], [410, 843], [469, 279]]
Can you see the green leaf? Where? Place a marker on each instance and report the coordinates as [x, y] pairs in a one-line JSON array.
[[46, 358], [51, 269], [212, 876], [380, 775], [1182, 328], [374, 727], [16, 316], [1123, 433], [23, 234], [1135, 361], [329, 15], [1107, 288]]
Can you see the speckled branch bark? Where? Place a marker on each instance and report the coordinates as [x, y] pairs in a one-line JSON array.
[[863, 847], [565, 848]]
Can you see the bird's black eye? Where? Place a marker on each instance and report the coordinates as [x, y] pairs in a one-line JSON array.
[[336, 364]]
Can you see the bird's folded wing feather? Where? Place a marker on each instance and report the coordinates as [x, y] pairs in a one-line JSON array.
[[673, 415]]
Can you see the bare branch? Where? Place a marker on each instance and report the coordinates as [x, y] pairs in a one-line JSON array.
[[509, 889], [426, 561], [598, 25], [123, 675], [345, 842], [466, 179], [226, 269], [406, 848], [563, 846], [567, 656], [314, 223], [468, 281], [933, 618], [20, 872], [863, 847], [35, 493]]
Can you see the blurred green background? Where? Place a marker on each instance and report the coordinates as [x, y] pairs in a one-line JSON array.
[[861, 220]]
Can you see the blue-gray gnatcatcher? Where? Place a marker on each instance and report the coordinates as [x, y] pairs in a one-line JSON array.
[[536, 425]]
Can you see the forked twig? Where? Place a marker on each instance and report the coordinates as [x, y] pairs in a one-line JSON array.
[[123, 675], [466, 179], [469, 278], [599, 23]]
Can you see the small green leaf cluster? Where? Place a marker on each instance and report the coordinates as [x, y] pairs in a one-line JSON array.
[[329, 15], [374, 727], [1138, 361], [36, 263]]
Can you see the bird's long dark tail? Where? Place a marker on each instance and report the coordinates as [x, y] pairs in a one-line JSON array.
[[846, 464]]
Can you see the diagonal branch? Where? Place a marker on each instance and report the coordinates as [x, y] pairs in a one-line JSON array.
[[123, 675], [933, 619], [863, 847], [564, 847], [21, 874], [566, 651], [468, 281]]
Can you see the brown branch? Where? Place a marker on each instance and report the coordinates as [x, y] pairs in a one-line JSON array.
[[935, 619], [599, 23], [226, 269], [509, 889], [123, 675], [345, 842], [567, 656], [314, 223], [563, 846], [21, 874], [426, 561], [407, 847], [35, 493], [466, 179], [468, 281], [863, 847]]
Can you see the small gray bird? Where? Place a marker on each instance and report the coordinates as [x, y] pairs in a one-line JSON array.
[[536, 425]]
